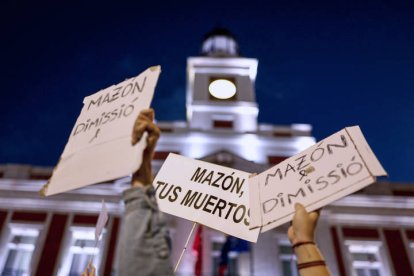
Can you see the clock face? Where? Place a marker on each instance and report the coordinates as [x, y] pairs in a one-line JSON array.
[[222, 89]]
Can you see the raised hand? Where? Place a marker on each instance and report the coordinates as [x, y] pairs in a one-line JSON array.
[[145, 123], [303, 225]]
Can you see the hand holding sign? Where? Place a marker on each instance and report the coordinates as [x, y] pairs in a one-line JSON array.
[[303, 225], [145, 128], [100, 224], [301, 235], [90, 270]]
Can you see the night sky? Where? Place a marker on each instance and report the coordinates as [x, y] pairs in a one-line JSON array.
[[331, 64]]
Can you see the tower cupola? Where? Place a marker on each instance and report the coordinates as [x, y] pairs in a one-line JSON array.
[[220, 43]]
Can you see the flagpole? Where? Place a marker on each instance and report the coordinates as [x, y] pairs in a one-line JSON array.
[[185, 246]]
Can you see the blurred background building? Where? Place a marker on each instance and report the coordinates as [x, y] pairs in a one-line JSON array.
[[365, 234]]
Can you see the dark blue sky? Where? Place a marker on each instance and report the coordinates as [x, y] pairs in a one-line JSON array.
[[331, 64]]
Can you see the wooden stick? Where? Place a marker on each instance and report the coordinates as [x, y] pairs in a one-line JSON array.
[[185, 246], [93, 255]]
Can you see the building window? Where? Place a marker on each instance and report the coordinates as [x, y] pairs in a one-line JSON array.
[[287, 259], [162, 155], [17, 256], [366, 257], [81, 249], [273, 160], [283, 133], [222, 124]]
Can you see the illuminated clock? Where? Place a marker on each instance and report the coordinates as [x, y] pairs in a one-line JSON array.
[[222, 89]]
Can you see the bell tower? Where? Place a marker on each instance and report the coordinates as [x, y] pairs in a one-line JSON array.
[[220, 86]]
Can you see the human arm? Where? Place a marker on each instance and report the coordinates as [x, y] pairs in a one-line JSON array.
[[145, 123], [302, 237], [144, 241]]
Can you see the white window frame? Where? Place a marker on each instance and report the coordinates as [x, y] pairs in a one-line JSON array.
[[27, 229], [77, 233], [368, 246]]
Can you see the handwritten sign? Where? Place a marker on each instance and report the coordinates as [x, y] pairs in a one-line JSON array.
[[99, 147], [331, 169], [209, 194]]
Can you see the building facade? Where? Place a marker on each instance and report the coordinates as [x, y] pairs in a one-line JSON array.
[[368, 233]]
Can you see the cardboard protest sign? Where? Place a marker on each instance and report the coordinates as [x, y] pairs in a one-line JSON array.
[[99, 147], [329, 170], [209, 194], [102, 219]]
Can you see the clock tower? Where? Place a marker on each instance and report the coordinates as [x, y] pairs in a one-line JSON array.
[[220, 86]]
